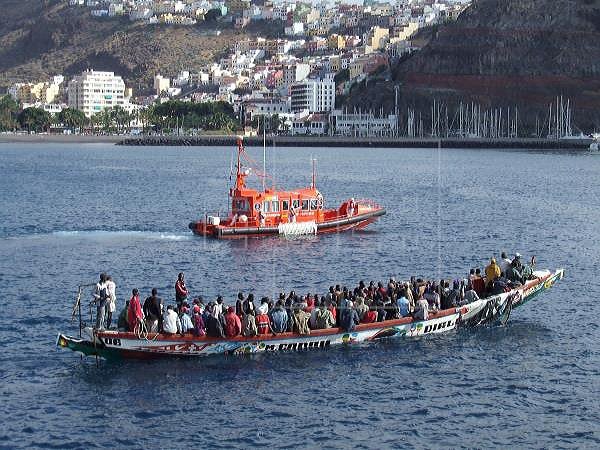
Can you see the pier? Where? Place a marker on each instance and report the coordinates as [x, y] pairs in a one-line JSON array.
[[370, 142]]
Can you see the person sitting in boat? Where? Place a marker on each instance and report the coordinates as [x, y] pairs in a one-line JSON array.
[[279, 318], [371, 315], [349, 318], [233, 324], [360, 307], [300, 321], [528, 269], [514, 273], [249, 328], [421, 309], [153, 312], [492, 271], [199, 328], [187, 326], [171, 322], [433, 298], [135, 314], [263, 322], [470, 294], [323, 318], [123, 320], [181, 292]]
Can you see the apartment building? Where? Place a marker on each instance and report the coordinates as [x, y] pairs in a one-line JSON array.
[[92, 92], [313, 96]]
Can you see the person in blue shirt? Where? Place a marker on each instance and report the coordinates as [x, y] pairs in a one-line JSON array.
[[403, 304], [279, 318]]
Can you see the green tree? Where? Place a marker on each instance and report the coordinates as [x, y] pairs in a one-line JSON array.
[[34, 119], [9, 110], [72, 118]]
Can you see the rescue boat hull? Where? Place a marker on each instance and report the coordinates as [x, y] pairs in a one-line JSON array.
[[124, 345], [356, 222]]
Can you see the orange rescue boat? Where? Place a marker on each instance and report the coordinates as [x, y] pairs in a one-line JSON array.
[[274, 212]]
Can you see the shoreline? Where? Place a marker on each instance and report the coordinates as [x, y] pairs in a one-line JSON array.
[[302, 141], [13, 138]]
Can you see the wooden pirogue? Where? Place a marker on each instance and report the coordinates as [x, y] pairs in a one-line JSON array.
[[117, 344]]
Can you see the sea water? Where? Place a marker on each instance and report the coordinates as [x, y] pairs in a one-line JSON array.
[[68, 212]]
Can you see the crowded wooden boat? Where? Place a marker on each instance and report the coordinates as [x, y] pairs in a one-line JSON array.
[[367, 312]]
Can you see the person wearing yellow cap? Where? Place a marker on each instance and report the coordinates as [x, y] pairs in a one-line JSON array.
[[492, 271]]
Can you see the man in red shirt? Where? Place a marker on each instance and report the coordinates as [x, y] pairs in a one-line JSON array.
[[181, 292]]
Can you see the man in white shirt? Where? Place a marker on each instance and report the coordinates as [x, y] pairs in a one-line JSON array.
[[101, 299], [171, 322], [111, 287], [504, 263], [422, 309]]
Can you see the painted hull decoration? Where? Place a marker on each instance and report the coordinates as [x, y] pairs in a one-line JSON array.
[[493, 310], [286, 213]]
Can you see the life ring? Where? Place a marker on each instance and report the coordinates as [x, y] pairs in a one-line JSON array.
[[257, 206]]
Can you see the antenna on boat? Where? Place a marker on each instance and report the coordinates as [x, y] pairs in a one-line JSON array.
[[264, 152], [314, 173]]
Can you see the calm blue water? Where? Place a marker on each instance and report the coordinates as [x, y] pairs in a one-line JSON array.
[[68, 212]]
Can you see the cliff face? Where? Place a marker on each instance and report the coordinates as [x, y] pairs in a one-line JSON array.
[[41, 38], [502, 53]]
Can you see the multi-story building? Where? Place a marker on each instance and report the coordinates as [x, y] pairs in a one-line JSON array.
[[313, 96], [92, 92], [35, 92]]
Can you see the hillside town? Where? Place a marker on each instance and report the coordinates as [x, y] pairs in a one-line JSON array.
[[293, 84]]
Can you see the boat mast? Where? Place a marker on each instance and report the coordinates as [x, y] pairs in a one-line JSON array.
[[264, 152], [314, 173]]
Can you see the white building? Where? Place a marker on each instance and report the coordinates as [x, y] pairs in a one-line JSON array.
[[161, 84], [360, 124], [92, 92], [313, 96]]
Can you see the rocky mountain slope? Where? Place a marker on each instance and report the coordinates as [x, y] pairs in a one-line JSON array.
[[41, 38], [502, 53]]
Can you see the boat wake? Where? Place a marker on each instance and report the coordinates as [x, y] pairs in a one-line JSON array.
[[108, 234]]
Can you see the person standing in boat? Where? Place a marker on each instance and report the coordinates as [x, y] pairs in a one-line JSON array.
[[135, 311], [181, 292], [153, 312], [351, 207], [111, 307], [233, 324], [101, 300]]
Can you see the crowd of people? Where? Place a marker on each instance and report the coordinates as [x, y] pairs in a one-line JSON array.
[[341, 306]]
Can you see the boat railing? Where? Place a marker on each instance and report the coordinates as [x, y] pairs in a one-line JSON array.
[[367, 202]]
